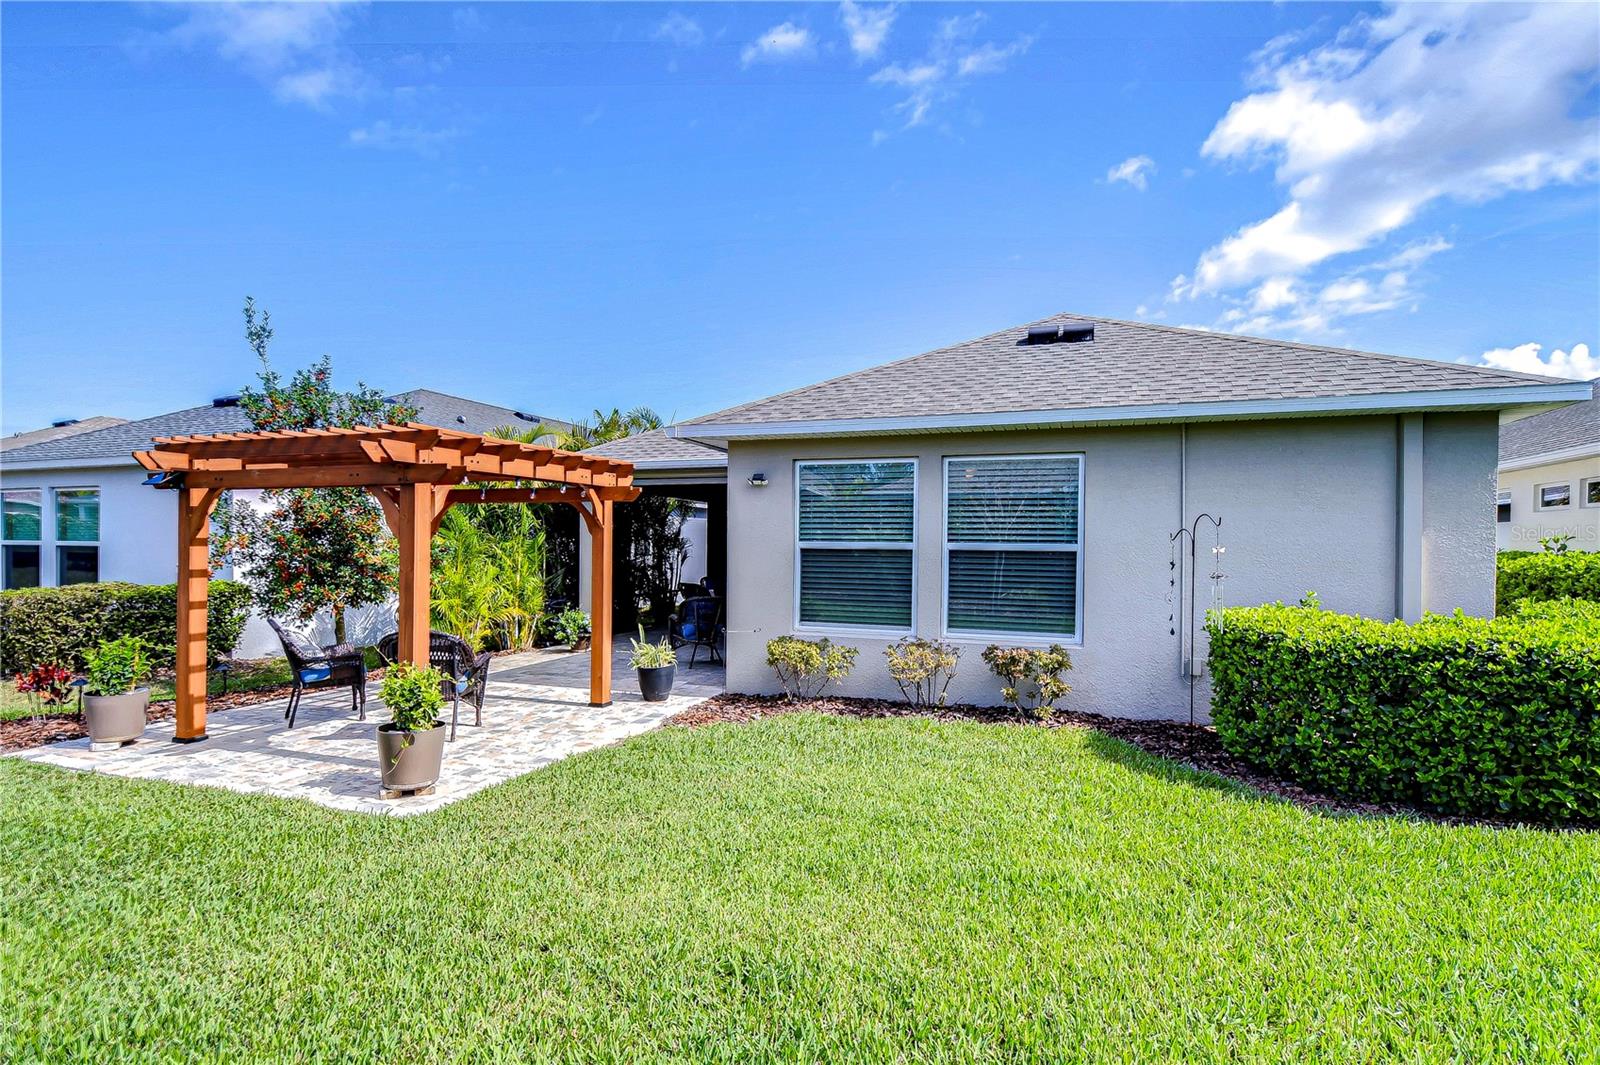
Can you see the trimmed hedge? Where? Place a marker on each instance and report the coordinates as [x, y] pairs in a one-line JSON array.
[[1456, 714], [1542, 576], [61, 624]]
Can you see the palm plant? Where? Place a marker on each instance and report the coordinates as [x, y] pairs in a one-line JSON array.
[[467, 598]]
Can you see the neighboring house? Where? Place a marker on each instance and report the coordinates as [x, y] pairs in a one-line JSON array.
[[1550, 478], [1024, 487], [76, 509], [57, 430]]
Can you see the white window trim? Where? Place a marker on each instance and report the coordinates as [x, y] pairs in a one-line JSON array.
[[1583, 492], [56, 543], [1538, 495], [865, 631], [6, 541], [946, 546]]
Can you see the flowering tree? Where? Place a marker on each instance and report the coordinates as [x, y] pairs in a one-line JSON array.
[[310, 549]]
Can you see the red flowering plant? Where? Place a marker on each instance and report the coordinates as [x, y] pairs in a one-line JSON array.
[[47, 683], [309, 549]]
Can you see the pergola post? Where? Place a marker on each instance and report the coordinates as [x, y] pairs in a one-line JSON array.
[[194, 581], [600, 542], [415, 535]]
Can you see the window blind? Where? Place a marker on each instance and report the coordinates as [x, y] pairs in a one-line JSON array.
[[855, 535]]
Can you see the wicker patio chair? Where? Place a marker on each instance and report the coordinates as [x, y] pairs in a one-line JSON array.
[[698, 623], [466, 674], [312, 667]]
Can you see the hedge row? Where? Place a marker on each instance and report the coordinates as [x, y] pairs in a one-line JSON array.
[[60, 624], [1456, 714], [1542, 576]]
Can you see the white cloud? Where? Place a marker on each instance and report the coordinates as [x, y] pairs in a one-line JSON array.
[[388, 136], [951, 59], [293, 47], [681, 30], [1135, 171], [867, 27], [782, 42], [1577, 363], [1420, 104]]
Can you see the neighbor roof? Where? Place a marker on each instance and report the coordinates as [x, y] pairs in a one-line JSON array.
[[654, 449], [1129, 371], [56, 432], [117, 443], [1557, 433]]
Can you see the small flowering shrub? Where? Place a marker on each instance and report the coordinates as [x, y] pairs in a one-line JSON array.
[[806, 667], [47, 683], [568, 627], [923, 669], [1033, 677]]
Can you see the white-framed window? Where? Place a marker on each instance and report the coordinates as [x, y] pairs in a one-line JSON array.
[[1502, 506], [1590, 495], [855, 545], [77, 515], [1013, 547], [1552, 496], [23, 536]]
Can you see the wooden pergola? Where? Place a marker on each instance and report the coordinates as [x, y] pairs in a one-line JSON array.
[[416, 472]]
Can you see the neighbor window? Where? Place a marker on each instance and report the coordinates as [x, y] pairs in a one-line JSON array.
[[77, 535], [1013, 558], [1591, 492], [855, 543], [1502, 506], [1554, 496], [22, 530]]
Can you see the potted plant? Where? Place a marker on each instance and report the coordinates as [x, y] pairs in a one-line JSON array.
[[115, 700], [571, 627], [657, 663], [411, 743]]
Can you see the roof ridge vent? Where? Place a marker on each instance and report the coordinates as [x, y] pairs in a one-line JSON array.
[[225, 401], [1061, 333]]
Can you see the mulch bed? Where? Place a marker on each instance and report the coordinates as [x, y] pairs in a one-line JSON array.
[[24, 733], [1193, 746]]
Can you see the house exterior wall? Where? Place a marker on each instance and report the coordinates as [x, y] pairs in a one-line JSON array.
[[138, 525], [1528, 523], [1308, 504]]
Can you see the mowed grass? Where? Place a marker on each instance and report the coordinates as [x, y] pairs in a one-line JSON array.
[[804, 889]]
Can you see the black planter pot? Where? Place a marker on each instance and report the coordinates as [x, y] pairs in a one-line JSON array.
[[655, 684]]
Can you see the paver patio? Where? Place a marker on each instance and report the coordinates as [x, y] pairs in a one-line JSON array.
[[536, 712]]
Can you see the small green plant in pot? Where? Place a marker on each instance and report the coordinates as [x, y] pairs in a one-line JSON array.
[[116, 698], [571, 627], [411, 744], [657, 664]]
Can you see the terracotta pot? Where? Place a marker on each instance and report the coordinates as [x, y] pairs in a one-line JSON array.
[[116, 718], [655, 683], [581, 643], [410, 760]]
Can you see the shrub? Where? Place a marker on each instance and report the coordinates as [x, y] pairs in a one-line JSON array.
[[1544, 576], [806, 667], [923, 669], [118, 666], [647, 655], [1028, 668], [62, 624], [414, 695], [1457, 714], [568, 627]]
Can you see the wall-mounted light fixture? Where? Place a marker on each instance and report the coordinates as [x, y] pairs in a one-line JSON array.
[[758, 480]]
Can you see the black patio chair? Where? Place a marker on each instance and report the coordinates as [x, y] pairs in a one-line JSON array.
[[466, 674], [697, 624], [312, 667]]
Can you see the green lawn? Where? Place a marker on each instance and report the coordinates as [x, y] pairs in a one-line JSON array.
[[804, 889]]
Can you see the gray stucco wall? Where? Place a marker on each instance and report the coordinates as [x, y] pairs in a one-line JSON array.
[[1306, 505]]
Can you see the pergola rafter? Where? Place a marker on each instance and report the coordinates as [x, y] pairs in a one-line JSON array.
[[416, 472]]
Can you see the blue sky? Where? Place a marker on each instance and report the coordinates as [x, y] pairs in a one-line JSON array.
[[687, 206]]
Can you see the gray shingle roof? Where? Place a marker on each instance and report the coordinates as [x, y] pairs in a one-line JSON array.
[[117, 443], [654, 448], [1572, 426], [56, 432], [1126, 364]]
